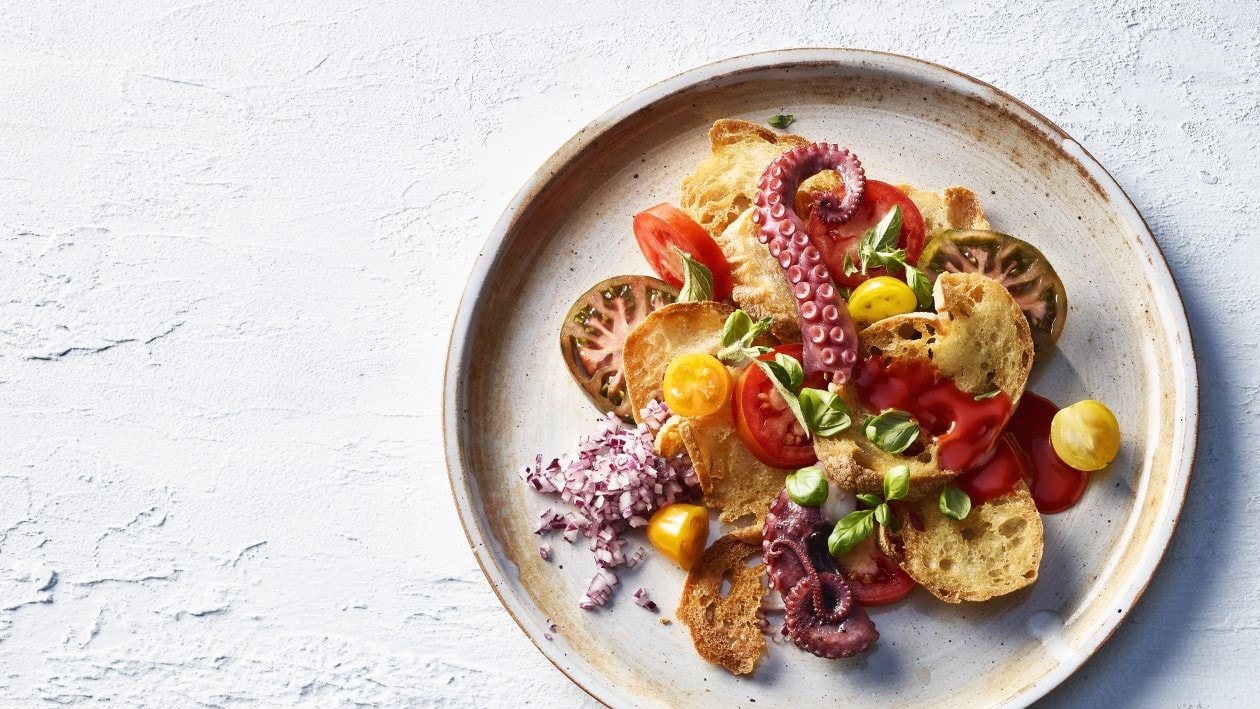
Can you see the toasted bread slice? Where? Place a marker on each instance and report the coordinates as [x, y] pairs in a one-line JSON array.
[[993, 551], [978, 338], [953, 208], [677, 328], [725, 628], [725, 182], [733, 480], [759, 287]]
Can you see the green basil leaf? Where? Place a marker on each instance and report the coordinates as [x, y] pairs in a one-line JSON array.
[[897, 483], [790, 371], [848, 268], [870, 500], [987, 395], [954, 503], [892, 431], [883, 515], [850, 531], [919, 283], [782, 120], [878, 246], [807, 487], [736, 326], [697, 279], [738, 334], [825, 412], [774, 370]]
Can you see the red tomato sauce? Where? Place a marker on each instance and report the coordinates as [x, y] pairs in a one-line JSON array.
[[996, 476], [964, 429], [1055, 485]]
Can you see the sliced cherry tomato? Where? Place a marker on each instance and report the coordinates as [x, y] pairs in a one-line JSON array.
[[765, 423], [874, 579], [679, 531], [595, 329], [665, 226], [833, 242], [696, 384], [880, 297]]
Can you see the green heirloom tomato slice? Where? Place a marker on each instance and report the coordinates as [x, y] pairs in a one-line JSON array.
[[1019, 266], [596, 328]]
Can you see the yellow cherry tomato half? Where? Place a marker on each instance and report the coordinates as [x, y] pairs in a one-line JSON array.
[[1085, 435], [879, 298], [679, 531], [696, 385]]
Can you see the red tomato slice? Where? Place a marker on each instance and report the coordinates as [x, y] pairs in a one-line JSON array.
[[664, 226], [878, 200], [874, 579], [765, 423]]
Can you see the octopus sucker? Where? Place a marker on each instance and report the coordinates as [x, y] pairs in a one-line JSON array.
[[782, 229]]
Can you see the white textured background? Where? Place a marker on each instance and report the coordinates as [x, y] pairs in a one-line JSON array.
[[233, 236]]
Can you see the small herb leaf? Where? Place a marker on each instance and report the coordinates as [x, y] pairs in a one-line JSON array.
[[919, 283], [892, 431], [807, 487], [883, 515], [897, 483], [955, 503], [870, 500], [697, 279], [781, 378], [781, 121], [738, 334], [850, 531], [987, 394], [878, 246], [825, 412], [849, 268]]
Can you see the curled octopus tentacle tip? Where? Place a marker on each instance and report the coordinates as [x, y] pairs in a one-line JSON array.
[[781, 227]]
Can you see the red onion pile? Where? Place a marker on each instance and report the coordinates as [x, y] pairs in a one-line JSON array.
[[614, 482]]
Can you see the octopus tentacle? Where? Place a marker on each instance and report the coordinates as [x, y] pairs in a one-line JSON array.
[[825, 635], [821, 616], [827, 330], [788, 520]]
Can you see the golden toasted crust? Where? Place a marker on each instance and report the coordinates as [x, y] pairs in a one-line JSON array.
[[978, 338], [954, 208], [733, 480], [759, 286], [993, 551], [725, 629], [737, 483], [725, 182]]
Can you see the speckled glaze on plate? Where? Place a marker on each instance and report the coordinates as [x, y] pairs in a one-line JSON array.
[[508, 395]]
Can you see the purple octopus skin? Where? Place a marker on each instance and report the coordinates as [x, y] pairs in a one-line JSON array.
[[821, 616], [818, 631], [787, 520], [827, 329]]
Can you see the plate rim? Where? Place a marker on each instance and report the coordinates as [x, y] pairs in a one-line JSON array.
[[1151, 554]]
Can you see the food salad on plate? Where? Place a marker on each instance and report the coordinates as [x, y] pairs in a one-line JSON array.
[[836, 367]]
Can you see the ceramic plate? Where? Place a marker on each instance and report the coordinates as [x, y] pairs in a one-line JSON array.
[[509, 397]]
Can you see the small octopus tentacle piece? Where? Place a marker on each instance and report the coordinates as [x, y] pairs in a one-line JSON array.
[[827, 330], [820, 633], [813, 586], [821, 616]]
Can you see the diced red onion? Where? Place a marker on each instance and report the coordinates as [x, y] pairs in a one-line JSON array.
[[642, 600], [615, 481], [544, 550]]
